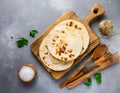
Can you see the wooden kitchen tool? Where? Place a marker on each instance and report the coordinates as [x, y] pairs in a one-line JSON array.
[[95, 12]]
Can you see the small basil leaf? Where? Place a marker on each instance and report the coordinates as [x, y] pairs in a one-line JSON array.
[[98, 77], [33, 33], [88, 82], [21, 42]]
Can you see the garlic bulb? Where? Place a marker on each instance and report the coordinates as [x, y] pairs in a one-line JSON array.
[[106, 27]]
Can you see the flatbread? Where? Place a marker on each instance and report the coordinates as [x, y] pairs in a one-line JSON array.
[[65, 43], [49, 60], [80, 28]]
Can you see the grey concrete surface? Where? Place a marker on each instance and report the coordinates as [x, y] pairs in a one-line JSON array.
[[17, 17]]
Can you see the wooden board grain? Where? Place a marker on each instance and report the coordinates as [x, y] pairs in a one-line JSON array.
[[94, 39]]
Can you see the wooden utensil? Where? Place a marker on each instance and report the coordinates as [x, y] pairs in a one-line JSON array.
[[109, 62], [96, 11], [95, 64], [99, 51]]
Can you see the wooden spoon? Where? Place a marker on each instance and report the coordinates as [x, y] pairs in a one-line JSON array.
[[99, 51]]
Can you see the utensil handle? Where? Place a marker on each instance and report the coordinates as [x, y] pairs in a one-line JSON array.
[[69, 79], [96, 11], [81, 79]]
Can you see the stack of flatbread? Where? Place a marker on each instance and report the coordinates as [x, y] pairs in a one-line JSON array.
[[65, 42]]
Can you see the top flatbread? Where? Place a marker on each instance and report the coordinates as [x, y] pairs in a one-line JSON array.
[[49, 60], [80, 28], [65, 43]]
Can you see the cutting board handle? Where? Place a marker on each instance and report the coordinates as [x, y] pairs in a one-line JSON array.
[[96, 11]]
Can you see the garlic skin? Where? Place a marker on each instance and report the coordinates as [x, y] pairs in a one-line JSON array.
[[106, 27]]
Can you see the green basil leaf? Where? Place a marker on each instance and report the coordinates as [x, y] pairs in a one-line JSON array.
[[33, 33], [98, 77], [88, 82], [21, 42]]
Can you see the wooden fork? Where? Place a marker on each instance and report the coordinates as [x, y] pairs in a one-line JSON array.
[[114, 59], [95, 64]]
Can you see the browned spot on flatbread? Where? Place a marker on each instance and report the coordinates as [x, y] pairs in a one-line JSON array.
[[43, 58], [53, 40], [46, 46], [82, 48], [67, 24], [71, 23], [60, 50], [62, 31], [71, 55], [46, 53], [64, 58], [76, 26], [79, 28], [56, 36], [61, 47], [65, 52], [61, 42], [54, 63], [53, 43], [69, 51], [66, 44]]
